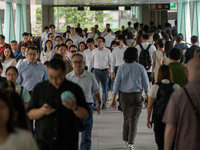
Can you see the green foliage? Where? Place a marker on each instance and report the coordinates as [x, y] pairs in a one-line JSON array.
[[38, 15], [87, 18], [38, 23]]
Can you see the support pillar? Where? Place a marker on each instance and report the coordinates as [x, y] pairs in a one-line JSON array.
[[146, 14], [47, 15], [9, 31], [28, 18]]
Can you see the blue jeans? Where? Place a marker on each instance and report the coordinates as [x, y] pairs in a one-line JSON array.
[[110, 84], [102, 76], [116, 68], [86, 134]]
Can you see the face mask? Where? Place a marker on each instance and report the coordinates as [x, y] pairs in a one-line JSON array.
[[117, 43], [113, 47]]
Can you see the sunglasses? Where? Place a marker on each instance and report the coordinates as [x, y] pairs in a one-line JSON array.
[[73, 51]]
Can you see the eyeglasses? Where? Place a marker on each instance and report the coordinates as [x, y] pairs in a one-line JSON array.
[[77, 62], [73, 51], [32, 54], [58, 78]]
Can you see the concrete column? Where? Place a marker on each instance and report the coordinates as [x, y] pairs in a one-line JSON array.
[[28, 16], [164, 18], [159, 17], [146, 14], [47, 15]]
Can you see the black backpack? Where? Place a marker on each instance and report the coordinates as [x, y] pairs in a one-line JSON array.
[[162, 98], [145, 58]]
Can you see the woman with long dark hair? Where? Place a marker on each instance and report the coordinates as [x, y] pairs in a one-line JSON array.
[[46, 53], [12, 136], [7, 59], [163, 86]]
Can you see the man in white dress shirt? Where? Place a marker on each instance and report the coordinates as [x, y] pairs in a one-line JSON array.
[[117, 58], [152, 49], [109, 38], [87, 53], [100, 61]]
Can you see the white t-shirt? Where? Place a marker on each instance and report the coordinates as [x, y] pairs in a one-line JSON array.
[[76, 39], [154, 89], [19, 140], [6, 64], [45, 56], [152, 49]]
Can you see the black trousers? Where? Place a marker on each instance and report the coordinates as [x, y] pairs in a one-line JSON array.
[[159, 129]]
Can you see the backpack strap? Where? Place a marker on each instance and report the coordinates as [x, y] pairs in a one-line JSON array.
[[21, 91], [148, 47], [143, 47], [193, 106]]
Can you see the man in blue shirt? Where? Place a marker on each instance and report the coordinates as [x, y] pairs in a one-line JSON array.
[[131, 77], [31, 72], [15, 50]]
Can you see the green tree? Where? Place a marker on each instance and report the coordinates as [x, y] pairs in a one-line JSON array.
[[85, 17], [38, 15]]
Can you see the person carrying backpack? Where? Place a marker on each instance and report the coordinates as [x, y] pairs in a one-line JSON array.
[[158, 97], [145, 54]]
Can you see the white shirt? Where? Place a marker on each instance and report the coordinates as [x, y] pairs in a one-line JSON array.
[[100, 59], [117, 57], [76, 39], [154, 89], [86, 55], [19, 140], [44, 34], [151, 50], [6, 64], [109, 38], [20, 62], [83, 39], [44, 56]]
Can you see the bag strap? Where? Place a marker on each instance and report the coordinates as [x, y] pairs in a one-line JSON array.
[[193, 106], [148, 47], [141, 46], [21, 91], [17, 54], [132, 43]]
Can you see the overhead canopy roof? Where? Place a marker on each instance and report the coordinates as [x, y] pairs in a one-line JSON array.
[[95, 2]]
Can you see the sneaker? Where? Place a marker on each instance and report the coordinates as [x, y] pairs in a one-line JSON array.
[[126, 143], [130, 147]]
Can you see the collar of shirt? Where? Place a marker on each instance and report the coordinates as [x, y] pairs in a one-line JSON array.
[[145, 43], [102, 49], [28, 63], [74, 75], [124, 46]]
